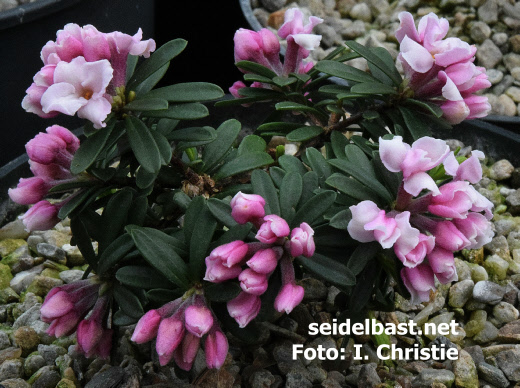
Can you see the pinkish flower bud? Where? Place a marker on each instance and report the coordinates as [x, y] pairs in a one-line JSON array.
[[71, 140], [198, 320], [253, 282], [454, 201], [147, 327], [64, 325], [89, 333], [216, 349], [29, 191], [477, 229], [229, 254], [447, 236], [104, 345], [50, 172], [244, 308], [247, 207], [289, 297], [41, 216], [265, 260], [273, 230], [411, 258], [216, 272], [185, 354], [469, 170], [169, 336], [419, 281], [443, 265], [57, 305], [302, 241], [235, 89], [46, 149]]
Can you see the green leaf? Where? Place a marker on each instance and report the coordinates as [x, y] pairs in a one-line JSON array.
[[415, 122], [373, 88], [162, 296], [83, 240], [166, 126], [374, 58], [284, 81], [362, 255], [385, 56], [278, 126], [351, 187], [290, 193], [149, 83], [139, 209], [128, 302], [131, 63], [263, 185], [277, 175], [305, 133], [256, 68], [318, 164], [187, 111], [237, 232], [259, 93], [329, 269], [257, 78], [74, 202], [293, 106], [334, 89], [221, 211], [243, 163], [338, 142], [116, 251], [314, 208], [159, 251], [90, 148], [428, 106], [215, 151], [357, 157], [148, 104], [375, 128], [144, 179], [165, 149], [121, 319], [310, 184], [141, 277], [341, 219], [291, 163], [157, 60], [193, 134], [71, 186], [201, 236], [251, 144], [222, 292], [344, 71], [188, 92], [143, 144], [114, 216]]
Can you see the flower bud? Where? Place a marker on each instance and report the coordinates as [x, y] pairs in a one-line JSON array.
[[169, 336], [29, 191], [147, 327], [265, 260], [289, 297], [247, 207], [253, 282], [42, 216], [198, 320], [273, 230], [244, 308], [302, 241], [419, 281], [185, 354], [216, 349]]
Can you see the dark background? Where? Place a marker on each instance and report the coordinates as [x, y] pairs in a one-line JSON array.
[[208, 26]]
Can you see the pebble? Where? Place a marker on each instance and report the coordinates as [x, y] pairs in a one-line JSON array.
[[46, 377], [501, 170], [488, 292], [11, 369], [460, 293], [52, 252], [71, 275], [314, 289], [361, 11], [368, 376], [494, 76], [488, 54], [480, 31], [465, 371], [273, 5], [511, 61], [509, 362], [492, 375], [15, 383], [33, 363], [488, 334], [427, 377], [514, 93], [28, 317], [505, 312]]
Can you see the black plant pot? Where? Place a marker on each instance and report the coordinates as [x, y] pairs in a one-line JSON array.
[[25, 30]]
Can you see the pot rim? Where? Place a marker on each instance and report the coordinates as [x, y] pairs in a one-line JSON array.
[[32, 11]]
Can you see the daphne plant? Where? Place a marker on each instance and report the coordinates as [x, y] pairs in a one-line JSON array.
[[202, 232]]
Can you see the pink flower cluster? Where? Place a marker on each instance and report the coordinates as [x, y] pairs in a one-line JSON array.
[[81, 72], [441, 70], [426, 230], [263, 47], [50, 155], [179, 327], [65, 308], [277, 243]]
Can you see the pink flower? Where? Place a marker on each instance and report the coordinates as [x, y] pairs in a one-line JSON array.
[[235, 89], [147, 327], [447, 236], [385, 229], [247, 207], [184, 355], [47, 149], [443, 265], [419, 281], [261, 47], [29, 191], [80, 87], [454, 201], [32, 101], [479, 106], [415, 256], [216, 349], [244, 308], [273, 230], [289, 297], [253, 282], [223, 263], [362, 213], [41, 216], [469, 170], [302, 241], [265, 260], [217, 272], [169, 335], [477, 229], [198, 319], [89, 334]]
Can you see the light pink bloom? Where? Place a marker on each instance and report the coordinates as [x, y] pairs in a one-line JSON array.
[[415, 256], [261, 47], [481, 203], [216, 349], [419, 281], [184, 355], [244, 308], [479, 106], [273, 230], [147, 327], [454, 201], [169, 336], [80, 87], [198, 319], [247, 207], [50, 172], [293, 23], [265, 260], [253, 282], [223, 263], [385, 229], [477, 229], [447, 236], [217, 272], [362, 213], [32, 101], [302, 241], [29, 191], [469, 170], [57, 304], [289, 297], [443, 265], [41, 216]]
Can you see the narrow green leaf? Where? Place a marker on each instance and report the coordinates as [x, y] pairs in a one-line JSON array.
[[74, 202], [341, 219], [201, 237], [357, 157], [187, 111], [256, 68], [237, 232], [114, 253], [149, 83], [114, 216], [141, 277], [338, 142], [310, 184], [257, 78], [344, 71], [222, 292], [148, 104], [250, 144], [193, 134], [131, 63], [290, 193], [221, 211], [162, 296], [291, 163], [362, 255], [121, 319], [351, 187], [243, 163], [432, 108], [293, 106], [266, 94], [314, 208], [90, 148], [71, 186], [263, 185], [166, 126], [165, 149], [305, 133], [284, 81], [278, 126], [216, 150], [128, 302], [329, 269], [188, 92], [318, 164], [415, 122], [334, 89], [277, 175], [143, 144], [83, 240], [157, 60], [373, 88], [144, 179]]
